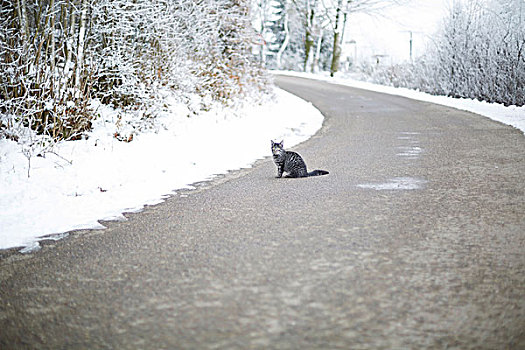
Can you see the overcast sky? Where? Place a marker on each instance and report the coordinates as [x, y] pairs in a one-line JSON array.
[[389, 34]]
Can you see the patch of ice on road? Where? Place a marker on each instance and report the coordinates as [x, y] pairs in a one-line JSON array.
[[396, 183], [409, 151], [413, 151]]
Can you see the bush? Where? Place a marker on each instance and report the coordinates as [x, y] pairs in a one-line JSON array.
[[56, 55], [479, 54]]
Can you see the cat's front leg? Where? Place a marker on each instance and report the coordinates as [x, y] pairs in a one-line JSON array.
[[280, 170]]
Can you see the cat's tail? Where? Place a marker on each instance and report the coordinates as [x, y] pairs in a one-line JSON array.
[[318, 172]]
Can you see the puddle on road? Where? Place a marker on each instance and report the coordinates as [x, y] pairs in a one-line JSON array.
[[409, 151], [409, 133], [396, 183], [412, 150]]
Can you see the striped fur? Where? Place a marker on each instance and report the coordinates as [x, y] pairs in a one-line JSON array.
[[291, 163]]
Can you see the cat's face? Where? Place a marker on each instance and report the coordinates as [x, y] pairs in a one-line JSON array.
[[277, 148]]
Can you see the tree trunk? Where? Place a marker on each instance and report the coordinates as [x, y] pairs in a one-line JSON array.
[[285, 43], [22, 17], [24, 31], [309, 45], [52, 38], [80, 48], [309, 39], [336, 52], [69, 43], [262, 10], [315, 64]]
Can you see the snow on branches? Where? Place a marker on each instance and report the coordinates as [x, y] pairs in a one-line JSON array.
[[56, 55], [478, 53], [481, 52], [37, 89]]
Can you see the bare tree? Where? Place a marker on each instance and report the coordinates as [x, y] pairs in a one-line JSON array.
[[285, 43], [310, 24], [342, 10], [317, 20], [338, 34], [80, 47]]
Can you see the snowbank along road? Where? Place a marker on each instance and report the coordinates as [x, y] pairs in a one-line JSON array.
[[416, 239]]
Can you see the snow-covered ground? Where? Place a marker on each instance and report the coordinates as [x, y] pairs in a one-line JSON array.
[[512, 115], [81, 182]]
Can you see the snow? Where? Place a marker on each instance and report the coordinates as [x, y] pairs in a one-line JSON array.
[[82, 182], [511, 115], [396, 183]]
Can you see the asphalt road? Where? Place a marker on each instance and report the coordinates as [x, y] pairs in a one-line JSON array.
[[415, 240]]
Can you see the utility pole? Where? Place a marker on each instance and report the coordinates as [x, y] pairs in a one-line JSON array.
[[411, 43], [410, 46]]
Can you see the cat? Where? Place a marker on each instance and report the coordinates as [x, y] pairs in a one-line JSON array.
[[291, 163]]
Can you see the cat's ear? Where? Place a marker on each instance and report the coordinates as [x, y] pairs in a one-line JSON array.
[[281, 143], [273, 143]]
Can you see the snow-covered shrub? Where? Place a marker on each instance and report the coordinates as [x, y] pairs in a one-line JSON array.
[[479, 53], [225, 68], [38, 89], [200, 47], [138, 47], [56, 55]]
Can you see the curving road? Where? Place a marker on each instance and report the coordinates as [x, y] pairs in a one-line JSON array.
[[415, 240]]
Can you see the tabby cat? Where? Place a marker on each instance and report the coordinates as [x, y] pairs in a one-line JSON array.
[[291, 163]]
